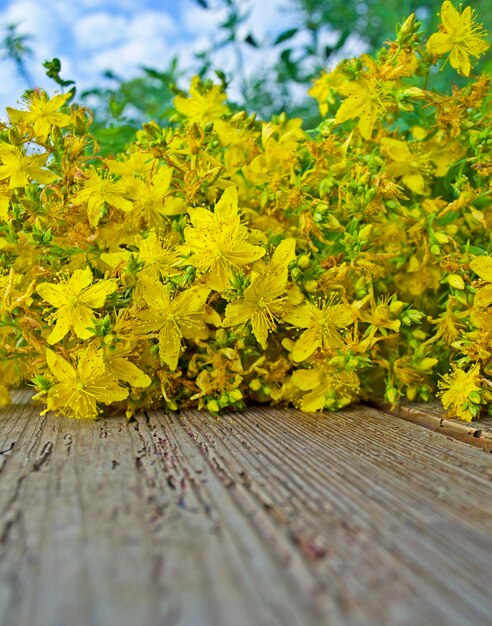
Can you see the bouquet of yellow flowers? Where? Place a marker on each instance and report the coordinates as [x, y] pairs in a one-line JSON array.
[[223, 259]]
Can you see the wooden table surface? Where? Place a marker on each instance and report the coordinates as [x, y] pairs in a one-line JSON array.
[[267, 517]]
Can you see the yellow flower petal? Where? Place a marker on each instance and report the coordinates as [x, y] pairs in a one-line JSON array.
[[482, 265], [82, 320], [79, 280], [306, 345], [483, 297], [450, 17], [314, 401], [260, 328], [123, 369], [460, 60], [415, 182], [305, 380], [95, 296], [62, 327], [170, 345], [53, 294], [439, 43], [60, 368]]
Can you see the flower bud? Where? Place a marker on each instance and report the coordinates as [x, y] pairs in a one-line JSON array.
[[414, 92], [235, 395], [474, 397], [255, 384], [310, 286], [221, 336], [441, 238], [391, 395], [304, 261], [396, 307], [455, 281], [407, 30], [213, 406]]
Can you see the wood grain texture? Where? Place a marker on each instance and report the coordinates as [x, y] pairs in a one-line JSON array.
[[432, 415], [268, 517]]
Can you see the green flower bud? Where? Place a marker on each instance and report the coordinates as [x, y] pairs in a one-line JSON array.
[[213, 406], [304, 261]]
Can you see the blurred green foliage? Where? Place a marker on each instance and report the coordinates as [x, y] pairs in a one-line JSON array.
[[15, 47], [122, 107]]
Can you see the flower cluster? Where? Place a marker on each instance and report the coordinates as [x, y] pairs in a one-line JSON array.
[[223, 259]]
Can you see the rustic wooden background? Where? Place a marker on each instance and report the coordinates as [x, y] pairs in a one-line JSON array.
[[268, 517]]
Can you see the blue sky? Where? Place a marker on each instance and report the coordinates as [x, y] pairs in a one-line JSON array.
[[90, 36]]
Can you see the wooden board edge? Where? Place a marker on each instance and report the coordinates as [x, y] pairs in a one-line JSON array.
[[462, 431]]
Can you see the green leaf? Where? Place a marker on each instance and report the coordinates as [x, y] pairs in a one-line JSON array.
[[285, 35], [250, 40]]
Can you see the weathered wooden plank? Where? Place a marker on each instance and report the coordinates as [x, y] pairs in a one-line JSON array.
[[433, 416], [379, 506], [263, 517]]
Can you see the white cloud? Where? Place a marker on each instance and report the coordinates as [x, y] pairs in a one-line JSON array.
[[140, 40], [9, 82], [118, 5], [99, 30], [125, 59], [151, 25], [199, 21], [267, 19]]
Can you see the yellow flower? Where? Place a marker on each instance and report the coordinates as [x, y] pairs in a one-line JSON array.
[[482, 265], [460, 35], [99, 190], [327, 388], [136, 163], [238, 140], [280, 153], [19, 169], [218, 242], [5, 194], [43, 113], [380, 319], [365, 100], [261, 304], [322, 322], [158, 257], [172, 319], [121, 368], [263, 301], [412, 166], [443, 155], [419, 276], [278, 266], [14, 291], [74, 300], [455, 389], [153, 199], [79, 389], [448, 324], [324, 88], [203, 104]]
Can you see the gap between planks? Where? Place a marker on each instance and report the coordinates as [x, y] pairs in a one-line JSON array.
[[433, 416]]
